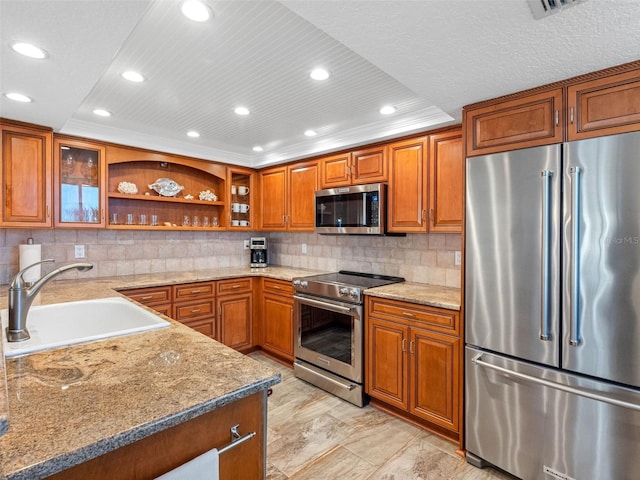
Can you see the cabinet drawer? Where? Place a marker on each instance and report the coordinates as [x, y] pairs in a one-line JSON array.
[[279, 287], [206, 326], [194, 310], [150, 296], [438, 319], [193, 291], [234, 285]]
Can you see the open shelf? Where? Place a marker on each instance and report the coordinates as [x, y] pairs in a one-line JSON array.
[[158, 198]]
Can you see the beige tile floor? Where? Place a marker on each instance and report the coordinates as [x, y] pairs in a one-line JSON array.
[[312, 435]]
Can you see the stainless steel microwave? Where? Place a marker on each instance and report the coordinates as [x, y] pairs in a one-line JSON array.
[[355, 210]]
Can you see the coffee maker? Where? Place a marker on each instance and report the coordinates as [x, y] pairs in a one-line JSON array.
[[258, 247]]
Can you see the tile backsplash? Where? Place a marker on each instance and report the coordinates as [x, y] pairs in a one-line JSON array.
[[417, 257]]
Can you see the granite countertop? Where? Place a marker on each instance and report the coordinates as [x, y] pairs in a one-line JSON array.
[[69, 405], [421, 293]]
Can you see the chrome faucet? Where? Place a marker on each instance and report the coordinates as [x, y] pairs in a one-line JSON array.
[[21, 296]]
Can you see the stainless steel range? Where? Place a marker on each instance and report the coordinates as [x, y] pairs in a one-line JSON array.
[[329, 326]]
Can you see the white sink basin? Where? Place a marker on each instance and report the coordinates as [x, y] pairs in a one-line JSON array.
[[63, 324]]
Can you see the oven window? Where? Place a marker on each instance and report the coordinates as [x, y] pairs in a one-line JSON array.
[[327, 333]]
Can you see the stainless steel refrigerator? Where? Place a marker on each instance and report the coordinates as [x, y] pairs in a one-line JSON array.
[[552, 309]]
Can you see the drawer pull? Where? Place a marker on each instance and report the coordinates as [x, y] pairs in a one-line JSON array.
[[408, 314], [193, 292], [195, 310], [235, 286], [148, 297], [276, 287]]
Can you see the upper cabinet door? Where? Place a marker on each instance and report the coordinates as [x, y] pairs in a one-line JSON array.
[[445, 182], [369, 165], [606, 106], [25, 176], [273, 208], [336, 171], [303, 183], [407, 186], [525, 122], [79, 183]]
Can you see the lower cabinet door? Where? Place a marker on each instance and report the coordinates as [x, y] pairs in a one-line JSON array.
[[277, 318], [386, 349], [206, 326], [234, 317], [435, 370]]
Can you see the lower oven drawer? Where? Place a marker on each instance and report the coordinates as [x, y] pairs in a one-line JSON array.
[[338, 386]]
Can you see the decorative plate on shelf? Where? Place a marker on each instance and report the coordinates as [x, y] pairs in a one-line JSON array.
[[166, 187]]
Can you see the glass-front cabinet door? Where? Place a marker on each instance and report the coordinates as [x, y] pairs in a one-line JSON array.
[[79, 193]]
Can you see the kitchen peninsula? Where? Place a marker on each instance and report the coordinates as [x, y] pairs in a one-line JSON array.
[[70, 406]]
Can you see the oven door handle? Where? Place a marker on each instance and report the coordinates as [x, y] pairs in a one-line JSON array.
[[326, 305]]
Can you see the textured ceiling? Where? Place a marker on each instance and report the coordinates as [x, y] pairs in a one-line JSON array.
[[428, 58]]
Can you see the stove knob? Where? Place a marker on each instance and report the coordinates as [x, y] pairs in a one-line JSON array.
[[344, 291], [296, 283], [304, 284], [354, 293]]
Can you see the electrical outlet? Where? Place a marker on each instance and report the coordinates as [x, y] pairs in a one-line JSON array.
[[79, 251], [458, 258], [304, 248], [247, 244]]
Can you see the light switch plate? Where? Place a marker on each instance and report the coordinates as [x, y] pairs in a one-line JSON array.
[[79, 251], [247, 244], [458, 258], [304, 248]]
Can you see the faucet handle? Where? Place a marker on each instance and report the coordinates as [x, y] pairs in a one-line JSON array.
[[18, 281]]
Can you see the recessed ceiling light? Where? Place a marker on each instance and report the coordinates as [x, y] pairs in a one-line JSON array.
[[101, 112], [196, 10], [29, 50], [258, 148], [193, 134], [310, 133], [133, 76], [319, 74], [18, 97], [387, 110], [242, 110]]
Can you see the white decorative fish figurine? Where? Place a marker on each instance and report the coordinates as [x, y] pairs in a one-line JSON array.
[[166, 187]]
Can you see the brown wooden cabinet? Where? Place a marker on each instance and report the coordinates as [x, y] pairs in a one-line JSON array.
[[167, 449], [446, 164], [604, 106], [25, 175], [528, 121], [235, 319], [159, 298], [601, 103], [368, 165], [194, 304], [179, 212], [413, 362], [277, 318], [425, 183], [79, 179], [287, 201], [407, 203]]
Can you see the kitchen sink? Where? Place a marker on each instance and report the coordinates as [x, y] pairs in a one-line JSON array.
[[63, 324]]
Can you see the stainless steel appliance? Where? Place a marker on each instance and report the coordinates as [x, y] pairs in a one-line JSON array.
[[552, 308], [329, 326], [258, 246], [359, 209]]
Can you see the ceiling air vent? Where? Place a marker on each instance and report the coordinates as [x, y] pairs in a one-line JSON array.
[[544, 8]]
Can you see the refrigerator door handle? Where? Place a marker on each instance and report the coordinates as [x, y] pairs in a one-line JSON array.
[[477, 360], [576, 194], [545, 327]]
